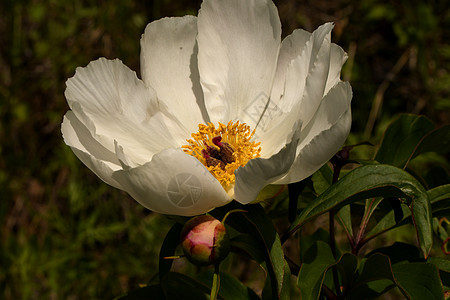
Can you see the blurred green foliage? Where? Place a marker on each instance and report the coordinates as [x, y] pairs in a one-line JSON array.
[[64, 233]]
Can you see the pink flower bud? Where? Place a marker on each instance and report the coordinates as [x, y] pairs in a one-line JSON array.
[[204, 240]]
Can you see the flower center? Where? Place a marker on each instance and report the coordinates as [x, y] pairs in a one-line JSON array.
[[223, 149]]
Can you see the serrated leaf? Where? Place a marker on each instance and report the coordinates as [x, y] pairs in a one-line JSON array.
[[376, 181], [401, 139]]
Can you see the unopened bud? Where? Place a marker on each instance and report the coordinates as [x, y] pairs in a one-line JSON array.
[[205, 241]]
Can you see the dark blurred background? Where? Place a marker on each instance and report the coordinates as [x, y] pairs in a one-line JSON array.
[[64, 234]]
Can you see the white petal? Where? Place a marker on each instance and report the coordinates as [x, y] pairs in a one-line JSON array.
[[238, 43], [305, 80], [169, 65], [125, 161], [115, 105], [325, 134], [291, 48], [318, 49], [97, 158], [274, 113], [259, 172], [306, 74], [337, 59], [173, 183], [332, 107]]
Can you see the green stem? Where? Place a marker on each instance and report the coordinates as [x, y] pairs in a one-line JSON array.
[[174, 256], [216, 283], [230, 212]]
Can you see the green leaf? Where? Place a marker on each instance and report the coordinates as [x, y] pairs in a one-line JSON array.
[[286, 285], [306, 241], [399, 252], [173, 286], [230, 287], [388, 222], [322, 179], [401, 139], [168, 247], [440, 200], [437, 140], [317, 260], [344, 217], [269, 192], [377, 266], [375, 278], [376, 181], [370, 206], [418, 280], [264, 244], [179, 286], [443, 265], [250, 245], [285, 291], [439, 193], [346, 266], [371, 290], [274, 255]]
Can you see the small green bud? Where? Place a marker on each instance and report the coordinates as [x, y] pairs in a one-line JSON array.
[[205, 240]]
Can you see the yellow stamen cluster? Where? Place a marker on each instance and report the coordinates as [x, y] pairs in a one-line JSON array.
[[237, 135]]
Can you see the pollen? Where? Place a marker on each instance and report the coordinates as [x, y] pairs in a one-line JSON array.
[[223, 149]]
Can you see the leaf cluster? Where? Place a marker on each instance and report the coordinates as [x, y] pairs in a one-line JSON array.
[[389, 193]]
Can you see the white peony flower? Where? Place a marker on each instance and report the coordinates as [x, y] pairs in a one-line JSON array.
[[223, 109]]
